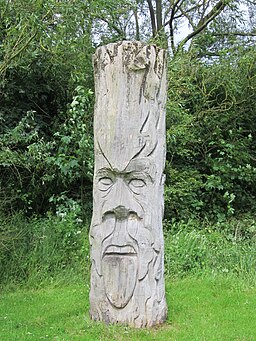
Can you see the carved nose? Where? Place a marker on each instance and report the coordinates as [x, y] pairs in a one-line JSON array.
[[121, 212]]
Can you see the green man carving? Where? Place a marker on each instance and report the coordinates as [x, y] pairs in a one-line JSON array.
[[127, 282]]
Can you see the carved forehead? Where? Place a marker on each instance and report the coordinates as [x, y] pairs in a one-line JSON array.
[[129, 101], [127, 145]]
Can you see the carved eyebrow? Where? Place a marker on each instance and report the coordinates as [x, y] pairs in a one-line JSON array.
[[104, 172], [129, 173], [143, 175]]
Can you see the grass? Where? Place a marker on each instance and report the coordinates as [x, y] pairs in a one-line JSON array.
[[208, 307], [210, 285]]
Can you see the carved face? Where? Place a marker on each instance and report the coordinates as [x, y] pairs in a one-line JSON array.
[[122, 227]]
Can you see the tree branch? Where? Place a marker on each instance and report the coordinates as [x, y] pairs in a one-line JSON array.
[[112, 25], [185, 14], [152, 17], [205, 6], [216, 10], [159, 19], [187, 11], [4, 66], [137, 27], [170, 22], [213, 13], [173, 11]]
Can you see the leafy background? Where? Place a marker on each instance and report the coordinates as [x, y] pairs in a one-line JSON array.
[[46, 141]]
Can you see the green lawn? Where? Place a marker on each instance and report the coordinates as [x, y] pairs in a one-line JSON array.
[[203, 308]]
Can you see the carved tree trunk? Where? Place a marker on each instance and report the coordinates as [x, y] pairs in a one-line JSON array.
[[127, 282]]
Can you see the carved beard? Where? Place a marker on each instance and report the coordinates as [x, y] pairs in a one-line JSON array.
[[126, 252]]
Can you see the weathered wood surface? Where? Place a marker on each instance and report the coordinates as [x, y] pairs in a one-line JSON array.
[[127, 282]]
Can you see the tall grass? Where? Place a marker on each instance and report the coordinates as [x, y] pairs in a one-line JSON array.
[[36, 250], [196, 247]]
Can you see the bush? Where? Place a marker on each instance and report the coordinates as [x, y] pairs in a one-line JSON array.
[[211, 152], [37, 169]]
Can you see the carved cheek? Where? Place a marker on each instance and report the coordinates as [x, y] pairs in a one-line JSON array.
[[146, 199], [143, 238], [103, 189]]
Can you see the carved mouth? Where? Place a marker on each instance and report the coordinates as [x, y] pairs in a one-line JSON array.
[[125, 250]]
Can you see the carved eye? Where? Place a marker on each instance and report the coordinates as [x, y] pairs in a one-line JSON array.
[[105, 183], [136, 185]]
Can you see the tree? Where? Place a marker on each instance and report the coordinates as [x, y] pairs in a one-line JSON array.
[[163, 21], [211, 149], [46, 95], [45, 56]]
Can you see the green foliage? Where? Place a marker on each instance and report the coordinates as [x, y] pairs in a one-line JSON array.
[[46, 113], [45, 63], [36, 167], [185, 252], [74, 138], [71, 165], [46, 139], [35, 249], [211, 168]]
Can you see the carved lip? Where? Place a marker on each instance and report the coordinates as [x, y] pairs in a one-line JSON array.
[[124, 250]]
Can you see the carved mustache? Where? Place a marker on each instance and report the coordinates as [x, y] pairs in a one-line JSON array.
[[129, 238], [126, 236], [120, 250]]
